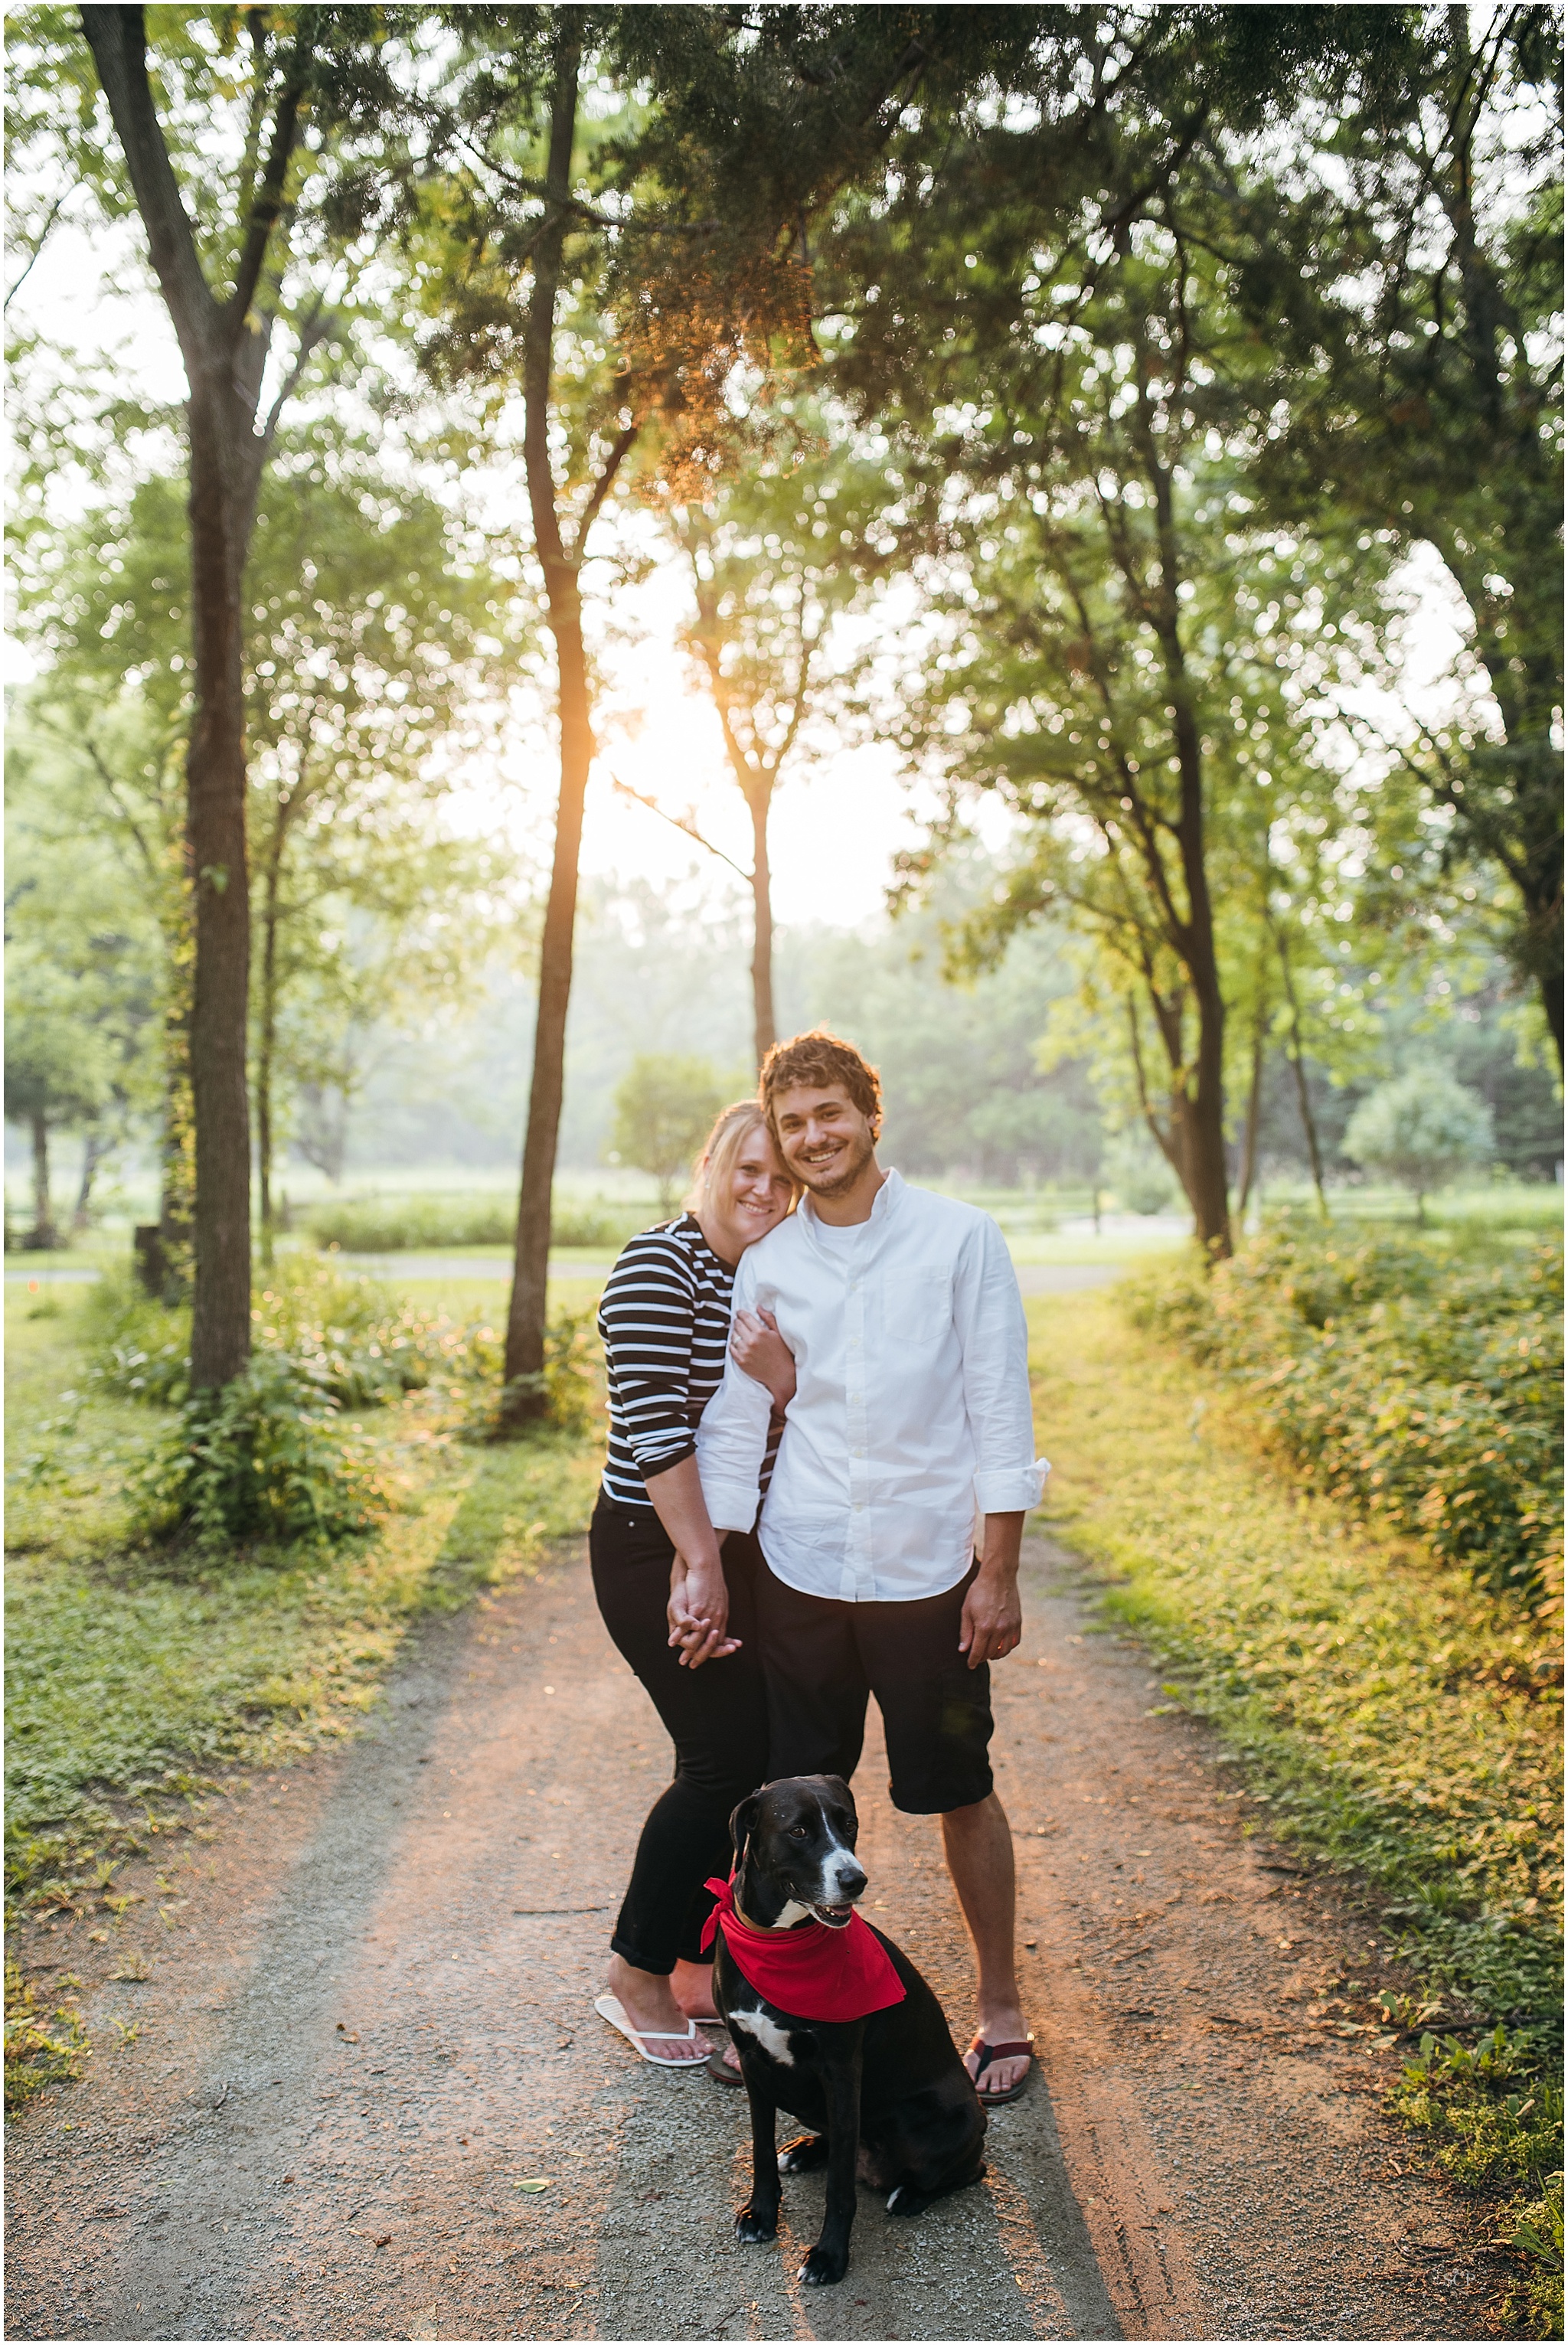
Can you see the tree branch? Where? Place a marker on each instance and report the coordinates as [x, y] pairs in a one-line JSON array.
[[268, 206], [686, 824], [117, 39]]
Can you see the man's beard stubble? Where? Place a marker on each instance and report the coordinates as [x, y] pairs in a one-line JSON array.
[[840, 1181]]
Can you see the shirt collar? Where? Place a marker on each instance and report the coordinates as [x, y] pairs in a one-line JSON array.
[[884, 1204]]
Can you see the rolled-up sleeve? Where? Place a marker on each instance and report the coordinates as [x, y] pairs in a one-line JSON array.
[[988, 1313], [732, 1438]]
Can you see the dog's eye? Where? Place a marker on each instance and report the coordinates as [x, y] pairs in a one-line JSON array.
[[797, 1831]]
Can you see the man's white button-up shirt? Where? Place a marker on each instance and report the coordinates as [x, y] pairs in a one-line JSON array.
[[911, 1413]]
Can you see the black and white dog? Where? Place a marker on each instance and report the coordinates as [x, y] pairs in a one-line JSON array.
[[887, 2096]]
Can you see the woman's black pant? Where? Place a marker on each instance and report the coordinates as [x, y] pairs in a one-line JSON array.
[[715, 1716]]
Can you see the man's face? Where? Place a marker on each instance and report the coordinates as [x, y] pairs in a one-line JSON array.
[[823, 1138]]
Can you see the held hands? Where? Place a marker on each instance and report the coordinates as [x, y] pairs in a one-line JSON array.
[[699, 1612], [756, 1346]]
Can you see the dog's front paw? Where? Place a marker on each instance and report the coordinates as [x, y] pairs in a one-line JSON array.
[[808, 2151], [755, 2225], [907, 2200], [824, 2268]]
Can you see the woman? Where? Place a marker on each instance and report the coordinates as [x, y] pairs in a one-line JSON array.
[[665, 1322]]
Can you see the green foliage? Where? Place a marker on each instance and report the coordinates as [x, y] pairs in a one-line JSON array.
[[572, 1382], [1419, 1383], [665, 1108], [402, 1225], [137, 1346], [1537, 2235], [1494, 2124], [260, 1460], [1420, 1130], [347, 1336]]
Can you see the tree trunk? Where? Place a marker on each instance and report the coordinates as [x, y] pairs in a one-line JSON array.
[[224, 346], [267, 1038], [524, 1397], [1207, 1183], [95, 1147], [1249, 1133], [215, 820], [759, 801], [1298, 1068], [43, 1236]]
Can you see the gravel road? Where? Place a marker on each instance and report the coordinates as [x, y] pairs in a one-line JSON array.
[[365, 2027]]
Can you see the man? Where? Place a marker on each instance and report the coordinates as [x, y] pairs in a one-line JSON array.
[[910, 1420]]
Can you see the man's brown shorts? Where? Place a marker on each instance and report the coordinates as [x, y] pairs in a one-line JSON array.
[[822, 1658]]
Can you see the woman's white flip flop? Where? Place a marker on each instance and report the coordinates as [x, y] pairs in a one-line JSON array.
[[609, 2008]]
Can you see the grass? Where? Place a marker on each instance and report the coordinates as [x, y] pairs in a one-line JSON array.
[[133, 1675], [1392, 1714]]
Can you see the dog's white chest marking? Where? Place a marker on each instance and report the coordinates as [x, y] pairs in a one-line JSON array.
[[769, 2034]]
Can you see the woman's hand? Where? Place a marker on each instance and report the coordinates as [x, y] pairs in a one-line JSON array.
[[699, 1612], [762, 1351]]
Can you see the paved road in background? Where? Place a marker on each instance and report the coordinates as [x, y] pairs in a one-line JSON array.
[[424, 1269]]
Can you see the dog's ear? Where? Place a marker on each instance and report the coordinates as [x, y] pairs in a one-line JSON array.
[[741, 1823]]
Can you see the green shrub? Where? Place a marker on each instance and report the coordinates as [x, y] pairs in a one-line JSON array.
[[1416, 1381], [401, 1224], [137, 1346], [260, 1460], [347, 1334], [573, 1381], [351, 1335]]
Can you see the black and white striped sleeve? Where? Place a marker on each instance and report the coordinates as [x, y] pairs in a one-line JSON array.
[[648, 1319]]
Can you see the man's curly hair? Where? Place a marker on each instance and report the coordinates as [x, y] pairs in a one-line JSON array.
[[818, 1058]]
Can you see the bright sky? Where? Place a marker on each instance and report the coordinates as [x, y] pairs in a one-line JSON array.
[[838, 821], [836, 826]]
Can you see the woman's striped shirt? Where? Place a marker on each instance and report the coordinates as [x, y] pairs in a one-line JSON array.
[[665, 1322]]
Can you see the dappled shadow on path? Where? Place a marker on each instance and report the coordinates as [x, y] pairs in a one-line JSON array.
[[367, 2021]]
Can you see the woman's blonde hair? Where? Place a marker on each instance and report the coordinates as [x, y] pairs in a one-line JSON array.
[[733, 1127]]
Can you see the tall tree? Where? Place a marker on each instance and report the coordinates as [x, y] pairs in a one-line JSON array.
[[1406, 273], [381, 641], [221, 238], [1032, 307], [624, 266]]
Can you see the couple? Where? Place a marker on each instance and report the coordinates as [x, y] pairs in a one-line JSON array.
[[857, 1367]]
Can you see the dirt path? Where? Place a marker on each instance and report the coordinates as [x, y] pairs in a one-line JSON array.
[[366, 2021]]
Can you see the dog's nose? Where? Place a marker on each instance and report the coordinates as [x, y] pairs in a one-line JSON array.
[[851, 1880]]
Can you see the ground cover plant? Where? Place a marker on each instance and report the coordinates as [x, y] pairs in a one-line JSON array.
[[141, 1670], [1416, 1379], [1402, 1718]]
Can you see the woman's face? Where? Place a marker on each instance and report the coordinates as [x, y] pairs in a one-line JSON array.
[[752, 1200]]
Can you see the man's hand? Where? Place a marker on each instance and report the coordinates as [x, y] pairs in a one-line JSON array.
[[698, 1613], [993, 1614]]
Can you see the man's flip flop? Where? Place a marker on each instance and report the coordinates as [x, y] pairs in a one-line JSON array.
[[608, 2007], [990, 2053], [721, 2067]]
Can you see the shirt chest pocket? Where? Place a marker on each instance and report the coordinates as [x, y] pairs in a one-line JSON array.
[[917, 1304]]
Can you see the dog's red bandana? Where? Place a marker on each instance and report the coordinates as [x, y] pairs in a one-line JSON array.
[[811, 1971]]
